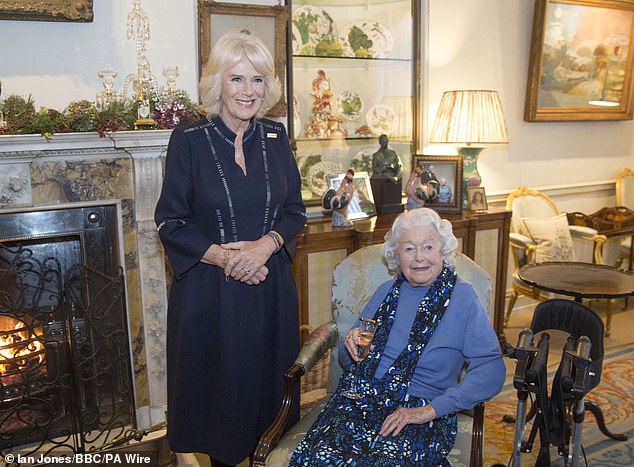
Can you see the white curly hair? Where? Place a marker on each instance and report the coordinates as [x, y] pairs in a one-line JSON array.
[[422, 217]]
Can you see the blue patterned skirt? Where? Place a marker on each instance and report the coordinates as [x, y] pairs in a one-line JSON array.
[[346, 433]]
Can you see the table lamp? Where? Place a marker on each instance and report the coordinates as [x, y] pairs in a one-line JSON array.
[[471, 120]]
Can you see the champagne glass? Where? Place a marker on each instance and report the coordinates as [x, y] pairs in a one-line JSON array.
[[366, 335]]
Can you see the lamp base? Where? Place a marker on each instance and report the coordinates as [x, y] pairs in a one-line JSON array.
[[470, 174]]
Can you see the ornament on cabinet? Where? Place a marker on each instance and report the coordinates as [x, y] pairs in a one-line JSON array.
[[386, 178], [338, 200], [323, 121]]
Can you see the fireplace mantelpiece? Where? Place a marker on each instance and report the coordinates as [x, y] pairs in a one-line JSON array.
[[79, 168]]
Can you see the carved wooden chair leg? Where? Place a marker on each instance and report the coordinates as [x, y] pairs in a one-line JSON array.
[[512, 301], [608, 316]]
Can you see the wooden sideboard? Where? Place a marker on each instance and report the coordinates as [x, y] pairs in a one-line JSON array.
[[484, 237]]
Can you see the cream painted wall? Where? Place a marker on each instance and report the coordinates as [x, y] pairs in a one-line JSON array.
[[485, 46], [58, 62]]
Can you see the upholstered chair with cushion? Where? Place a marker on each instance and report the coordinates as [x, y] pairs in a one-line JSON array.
[[355, 280], [539, 233]]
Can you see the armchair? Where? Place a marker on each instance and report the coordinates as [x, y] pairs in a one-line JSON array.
[[540, 233], [355, 280]]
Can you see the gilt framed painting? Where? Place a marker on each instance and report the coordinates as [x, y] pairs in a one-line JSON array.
[[581, 61]]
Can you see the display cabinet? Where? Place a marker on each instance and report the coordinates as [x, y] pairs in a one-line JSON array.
[[352, 78]]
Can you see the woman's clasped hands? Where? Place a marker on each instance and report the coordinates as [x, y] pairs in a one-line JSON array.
[[245, 260]]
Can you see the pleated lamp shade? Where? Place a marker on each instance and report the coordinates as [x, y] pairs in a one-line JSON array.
[[469, 117]]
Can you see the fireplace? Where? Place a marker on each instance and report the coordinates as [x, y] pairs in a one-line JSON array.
[[65, 361]]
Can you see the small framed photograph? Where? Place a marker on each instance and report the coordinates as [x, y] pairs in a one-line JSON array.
[[440, 184], [477, 198], [361, 204]]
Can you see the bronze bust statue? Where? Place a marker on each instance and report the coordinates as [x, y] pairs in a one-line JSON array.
[[385, 162]]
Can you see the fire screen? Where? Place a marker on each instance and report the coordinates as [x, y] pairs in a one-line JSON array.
[[65, 371]]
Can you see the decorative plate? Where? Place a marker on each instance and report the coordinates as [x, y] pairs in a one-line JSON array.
[[349, 105], [362, 161], [317, 176], [314, 26], [366, 39], [380, 119]]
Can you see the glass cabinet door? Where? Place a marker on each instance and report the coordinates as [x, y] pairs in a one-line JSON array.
[[353, 79]]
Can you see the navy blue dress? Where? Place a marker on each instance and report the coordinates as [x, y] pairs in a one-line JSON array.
[[228, 343]]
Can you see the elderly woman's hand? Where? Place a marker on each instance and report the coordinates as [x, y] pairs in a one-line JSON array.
[[397, 420], [351, 342]]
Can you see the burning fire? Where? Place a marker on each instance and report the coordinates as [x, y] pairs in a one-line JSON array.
[[20, 346]]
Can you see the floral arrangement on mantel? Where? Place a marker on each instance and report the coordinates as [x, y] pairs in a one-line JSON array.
[[18, 115]]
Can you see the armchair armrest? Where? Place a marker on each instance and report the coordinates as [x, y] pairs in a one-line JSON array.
[[523, 249], [582, 231], [589, 234], [519, 240], [318, 342]]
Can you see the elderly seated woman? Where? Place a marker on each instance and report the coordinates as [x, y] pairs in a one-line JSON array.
[[429, 322]]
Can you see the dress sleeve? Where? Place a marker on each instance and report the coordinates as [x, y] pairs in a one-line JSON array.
[[293, 216], [485, 373], [184, 242]]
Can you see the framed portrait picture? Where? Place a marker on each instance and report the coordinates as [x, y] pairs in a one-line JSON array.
[[361, 204], [581, 61], [268, 22], [440, 183], [477, 199], [47, 10]]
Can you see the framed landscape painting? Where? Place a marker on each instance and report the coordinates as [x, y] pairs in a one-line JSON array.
[[581, 61], [47, 10]]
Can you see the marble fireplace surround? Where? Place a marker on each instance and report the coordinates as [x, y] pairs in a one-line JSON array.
[[125, 168]]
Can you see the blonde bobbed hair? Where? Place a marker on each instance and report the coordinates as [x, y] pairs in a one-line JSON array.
[[425, 218], [230, 49]]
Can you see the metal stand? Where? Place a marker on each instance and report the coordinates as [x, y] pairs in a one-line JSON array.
[[558, 418]]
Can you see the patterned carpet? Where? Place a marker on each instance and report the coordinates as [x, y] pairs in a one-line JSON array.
[[615, 396]]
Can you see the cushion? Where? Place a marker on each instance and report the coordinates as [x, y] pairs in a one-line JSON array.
[[552, 236]]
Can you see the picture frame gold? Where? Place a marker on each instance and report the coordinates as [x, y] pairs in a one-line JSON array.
[[50, 10], [581, 61], [449, 168], [266, 22]]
